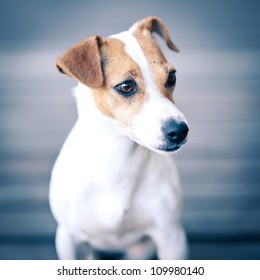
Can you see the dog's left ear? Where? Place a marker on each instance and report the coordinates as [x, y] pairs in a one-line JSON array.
[[154, 24], [83, 62]]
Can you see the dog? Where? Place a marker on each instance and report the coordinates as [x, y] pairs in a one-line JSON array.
[[114, 188]]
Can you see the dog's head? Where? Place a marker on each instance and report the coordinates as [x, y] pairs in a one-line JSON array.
[[132, 82]]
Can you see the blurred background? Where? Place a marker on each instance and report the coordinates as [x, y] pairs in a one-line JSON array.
[[217, 88]]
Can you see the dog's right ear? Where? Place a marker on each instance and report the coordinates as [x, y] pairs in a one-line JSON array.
[[83, 62]]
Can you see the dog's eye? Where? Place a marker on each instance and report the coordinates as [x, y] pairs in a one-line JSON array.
[[126, 88], [171, 81]]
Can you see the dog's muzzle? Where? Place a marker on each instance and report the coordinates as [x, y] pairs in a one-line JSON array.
[[175, 134]]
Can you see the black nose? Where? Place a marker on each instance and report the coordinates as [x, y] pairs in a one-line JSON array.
[[175, 132]]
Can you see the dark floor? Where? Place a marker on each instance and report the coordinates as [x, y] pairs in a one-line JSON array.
[[218, 89]]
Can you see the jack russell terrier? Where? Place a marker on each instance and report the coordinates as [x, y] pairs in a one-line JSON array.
[[115, 187]]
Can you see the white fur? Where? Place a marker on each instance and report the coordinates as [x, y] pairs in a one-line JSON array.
[[110, 192]]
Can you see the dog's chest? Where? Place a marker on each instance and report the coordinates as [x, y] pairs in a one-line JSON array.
[[109, 202], [108, 217], [118, 206]]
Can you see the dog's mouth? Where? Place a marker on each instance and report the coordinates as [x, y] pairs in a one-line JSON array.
[[171, 147], [163, 148]]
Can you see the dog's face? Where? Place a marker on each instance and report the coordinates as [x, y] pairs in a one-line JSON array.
[[132, 82]]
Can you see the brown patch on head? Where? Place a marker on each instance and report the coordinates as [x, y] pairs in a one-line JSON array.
[[117, 68], [159, 67]]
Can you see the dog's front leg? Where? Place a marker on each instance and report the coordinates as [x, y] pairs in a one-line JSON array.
[[170, 243], [70, 248]]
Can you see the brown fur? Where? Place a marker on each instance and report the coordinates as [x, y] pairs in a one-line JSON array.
[[83, 62], [154, 24], [118, 67]]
